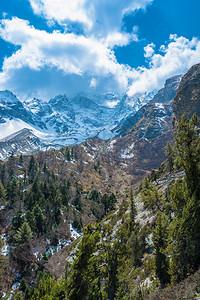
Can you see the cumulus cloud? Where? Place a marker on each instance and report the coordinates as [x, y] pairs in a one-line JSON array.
[[47, 64], [175, 58], [42, 52], [97, 17], [49, 59], [149, 50]]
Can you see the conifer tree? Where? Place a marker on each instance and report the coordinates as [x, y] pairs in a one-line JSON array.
[[21, 160], [24, 234], [133, 209], [39, 219], [67, 154], [187, 144], [2, 193], [186, 197], [1, 257], [80, 277], [32, 169], [3, 174], [160, 243]]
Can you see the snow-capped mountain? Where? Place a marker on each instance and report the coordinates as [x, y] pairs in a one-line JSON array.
[[62, 121]]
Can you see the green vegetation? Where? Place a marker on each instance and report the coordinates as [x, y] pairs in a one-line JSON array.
[[125, 255]]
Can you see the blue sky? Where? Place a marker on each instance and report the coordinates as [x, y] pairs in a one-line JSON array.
[[48, 47]]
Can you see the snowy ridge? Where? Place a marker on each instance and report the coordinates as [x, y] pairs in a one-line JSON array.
[[61, 121], [69, 121]]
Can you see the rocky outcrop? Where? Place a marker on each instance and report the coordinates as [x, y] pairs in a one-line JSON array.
[[154, 118], [187, 99], [168, 93], [23, 141]]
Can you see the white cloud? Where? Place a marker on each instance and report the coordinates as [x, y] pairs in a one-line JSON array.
[[48, 64], [49, 59], [56, 52], [119, 39], [93, 82], [175, 58], [149, 50], [97, 17]]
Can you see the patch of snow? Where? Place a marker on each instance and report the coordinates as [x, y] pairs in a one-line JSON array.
[[149, 239], [6, 248], [146, 283], [126, 153], [74, 233], [92, 156], [20, 176], [14, 287]]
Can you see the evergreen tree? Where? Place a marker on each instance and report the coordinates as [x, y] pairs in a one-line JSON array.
[[12, 190], [112, 271], [79, 281], [133, 209], [186, 197], [24, 234], [39, 219], [18, 219], [32, 169], [1, 258], [3, 194], [30, 219], [3, 174], [160, 244], [67, 154], [187, 144], [77, 200], [21, 160]]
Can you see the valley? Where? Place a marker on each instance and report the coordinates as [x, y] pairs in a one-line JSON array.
[[90, 207]]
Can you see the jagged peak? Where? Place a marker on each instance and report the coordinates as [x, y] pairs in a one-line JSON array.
[[8, 96]]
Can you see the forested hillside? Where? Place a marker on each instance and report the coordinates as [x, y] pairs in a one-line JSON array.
[[135, 252], [150, 242]]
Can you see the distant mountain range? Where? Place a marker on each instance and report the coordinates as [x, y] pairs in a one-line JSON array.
[[33, 125]]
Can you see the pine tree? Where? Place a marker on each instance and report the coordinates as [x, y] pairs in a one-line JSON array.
[[12, 190], [32, 169], [21, 160], [79, 281], [160, 243], [112, 271], [3, 174], [67, 154], [24, 234], [186, 198], [133, 209], [2, 193], [187, 144], [18, 219], [39, 219], [1, 257]]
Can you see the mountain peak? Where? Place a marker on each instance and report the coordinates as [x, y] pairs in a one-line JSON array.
[[8, 97]]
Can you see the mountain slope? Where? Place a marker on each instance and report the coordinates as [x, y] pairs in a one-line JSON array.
[[188, 94], [65, 121]]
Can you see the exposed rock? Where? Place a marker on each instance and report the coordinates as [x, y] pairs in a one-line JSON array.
[[187, 99], [168, 93], [150, 120], [23, 141]]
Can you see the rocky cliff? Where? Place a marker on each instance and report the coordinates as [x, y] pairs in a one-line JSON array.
[[187, 99]]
